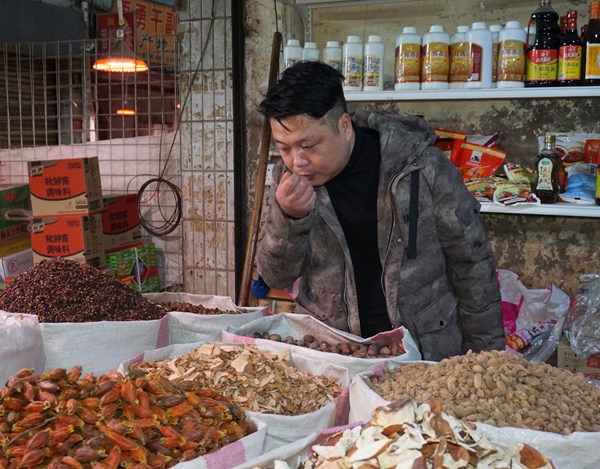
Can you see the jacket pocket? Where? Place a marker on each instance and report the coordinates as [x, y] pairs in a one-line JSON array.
[[468, 211]]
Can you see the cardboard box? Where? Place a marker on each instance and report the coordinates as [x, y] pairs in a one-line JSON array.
[[74, 237], [15, 264], [65, 187], [121, 222], [14, 239], [279, 294], [277, 306], [13, 196], [568, 360], [136, 267]]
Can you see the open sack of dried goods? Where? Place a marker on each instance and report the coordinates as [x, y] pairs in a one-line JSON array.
[[63, 419], [583, 321], [20, 344], [511, 400], [293, 395], [201, 318], [86, 317], [312, 338]]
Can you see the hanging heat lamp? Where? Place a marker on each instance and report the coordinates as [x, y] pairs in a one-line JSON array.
[[125, 110], [120, 57]]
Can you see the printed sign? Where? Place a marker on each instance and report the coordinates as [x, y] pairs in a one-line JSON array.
[[108, 24]]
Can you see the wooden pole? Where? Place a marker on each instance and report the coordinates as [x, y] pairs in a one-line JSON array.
[[263, 161]]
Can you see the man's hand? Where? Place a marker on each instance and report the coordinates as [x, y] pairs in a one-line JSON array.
[[295, 195]]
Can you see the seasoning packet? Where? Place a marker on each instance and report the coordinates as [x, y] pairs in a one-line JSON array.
[[514, 193], [477, 161], [482, 188], [449, 141], [515, 172]]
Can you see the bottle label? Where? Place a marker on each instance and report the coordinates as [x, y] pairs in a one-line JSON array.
[[372, 75], [542, 65], [476, 63], [511, 60], [592, 61], [569, 63], [459, 62], [495, 51], [436, 63], [408, 63], [352, 71], [544, 181], [337, 64]]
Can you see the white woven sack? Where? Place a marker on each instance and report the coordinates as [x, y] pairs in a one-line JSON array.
[[232, 455], [576, 451], [298, 325], [100, 346], [281, 429], [20, 344]]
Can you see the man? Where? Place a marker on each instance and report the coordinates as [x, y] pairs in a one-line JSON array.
[[375, 221]]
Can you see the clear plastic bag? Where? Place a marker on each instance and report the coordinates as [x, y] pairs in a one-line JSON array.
[[582, 326]]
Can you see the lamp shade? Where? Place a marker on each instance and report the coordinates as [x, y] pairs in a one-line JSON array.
[[120, 58]]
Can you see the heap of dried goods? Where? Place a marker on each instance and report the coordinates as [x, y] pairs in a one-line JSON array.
[[499, 389], [62, 420], [403, 435], [258, 381], [342, 348], [60, 290], [190, 308]]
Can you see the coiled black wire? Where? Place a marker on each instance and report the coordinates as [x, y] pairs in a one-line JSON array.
[[171, 222]]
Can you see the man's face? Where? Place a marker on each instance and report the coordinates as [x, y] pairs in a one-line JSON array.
[[310, 147]]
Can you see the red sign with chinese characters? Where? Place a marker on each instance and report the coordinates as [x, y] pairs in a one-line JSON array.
[[107, 30]]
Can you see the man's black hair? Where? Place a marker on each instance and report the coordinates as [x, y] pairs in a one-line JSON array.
[[311, 88]]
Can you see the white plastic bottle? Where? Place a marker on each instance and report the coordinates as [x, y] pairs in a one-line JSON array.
[[495, 29], [479, 38], [332, 55], [352, 63], [459, 59], [373, 64], [435, 59], [511, 56], [407, 69], [310, 51], [292, 53]]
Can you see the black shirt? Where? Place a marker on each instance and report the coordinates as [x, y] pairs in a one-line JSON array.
[[353, 193]]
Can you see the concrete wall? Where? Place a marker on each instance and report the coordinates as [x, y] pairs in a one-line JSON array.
[[541, 249]]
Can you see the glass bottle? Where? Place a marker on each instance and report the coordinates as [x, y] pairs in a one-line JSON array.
[[569, 54], [542, 55], [548, 165], [590, 63]]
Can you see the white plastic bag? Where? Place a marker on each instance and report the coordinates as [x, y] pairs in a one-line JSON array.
[[20, 344]]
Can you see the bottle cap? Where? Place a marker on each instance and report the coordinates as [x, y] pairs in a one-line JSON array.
[[512, 24], [310, 45], [353, 39], [495, 28], [550, 138], [332, 44], [462, 29], [293, 42], [374, 38], [478, 25], [436, 28], [409, 30]]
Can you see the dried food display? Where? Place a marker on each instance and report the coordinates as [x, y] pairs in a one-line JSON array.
[[499, 389], [257, 381], [59, 420], [60, 290], [342, 348], [190, 308], [402, 435]]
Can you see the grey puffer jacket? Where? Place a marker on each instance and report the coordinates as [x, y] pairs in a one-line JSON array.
[[445, 292]]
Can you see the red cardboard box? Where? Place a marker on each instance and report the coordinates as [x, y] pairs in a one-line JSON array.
[[121, 222]]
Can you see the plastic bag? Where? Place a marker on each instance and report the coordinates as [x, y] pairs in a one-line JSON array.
[[523, 308], [582, 326]]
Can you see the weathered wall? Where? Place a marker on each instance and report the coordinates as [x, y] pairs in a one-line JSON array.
[[541, 249]]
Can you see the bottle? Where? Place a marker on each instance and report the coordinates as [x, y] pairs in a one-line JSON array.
[[292, 53], [310, 51], [435, 59], [373, 64], [332, 55], [459, 58], [542, 56], [495, 29], [352, 63], [569, 53], [548, 164], [479, 38], [407, 73], [511, 56], [590, 62]]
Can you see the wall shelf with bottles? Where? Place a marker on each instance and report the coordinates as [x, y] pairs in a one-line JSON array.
[[463, 94], [560, 209]]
